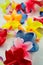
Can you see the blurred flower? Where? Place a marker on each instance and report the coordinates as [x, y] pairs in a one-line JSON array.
[[18, 54]]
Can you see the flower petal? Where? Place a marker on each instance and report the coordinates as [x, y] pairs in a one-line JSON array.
[[27, 46], [18, 42], [28, 57]]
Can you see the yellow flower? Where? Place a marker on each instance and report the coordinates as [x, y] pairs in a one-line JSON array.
[[13, 21], [31, 26]]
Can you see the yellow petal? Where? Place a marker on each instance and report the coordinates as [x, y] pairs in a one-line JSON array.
[[41, 9], [7, 25], [7, 17], [18, 17], [14, 5], [15, 24]]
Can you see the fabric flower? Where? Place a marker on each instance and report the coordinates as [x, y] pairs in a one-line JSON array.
[[32, 26], [30, 36], [18, 54], [13, 21]]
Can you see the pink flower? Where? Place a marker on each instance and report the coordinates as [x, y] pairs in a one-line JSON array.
[[18, 54]]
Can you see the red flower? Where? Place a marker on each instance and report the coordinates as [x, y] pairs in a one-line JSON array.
[[30, 4], [18, 54], [3, 34]]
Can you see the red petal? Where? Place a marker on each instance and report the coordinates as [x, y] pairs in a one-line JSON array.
[[18, 7], [9, 57], [3, 32], [2, 40], [25, 62], [19, 54]]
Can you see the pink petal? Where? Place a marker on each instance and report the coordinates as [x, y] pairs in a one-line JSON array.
[[28, 57], [18, 42], [27, 46]]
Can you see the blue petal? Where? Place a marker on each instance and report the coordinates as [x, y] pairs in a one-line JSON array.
[[23, 6], [20, 34], [41, 14], [19, 12], [29, 37], [24, 17], [35, 47]]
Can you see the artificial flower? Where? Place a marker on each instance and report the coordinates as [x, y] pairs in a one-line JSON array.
[[18, 54], [30, 36], [31, 26], [13, 21]]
